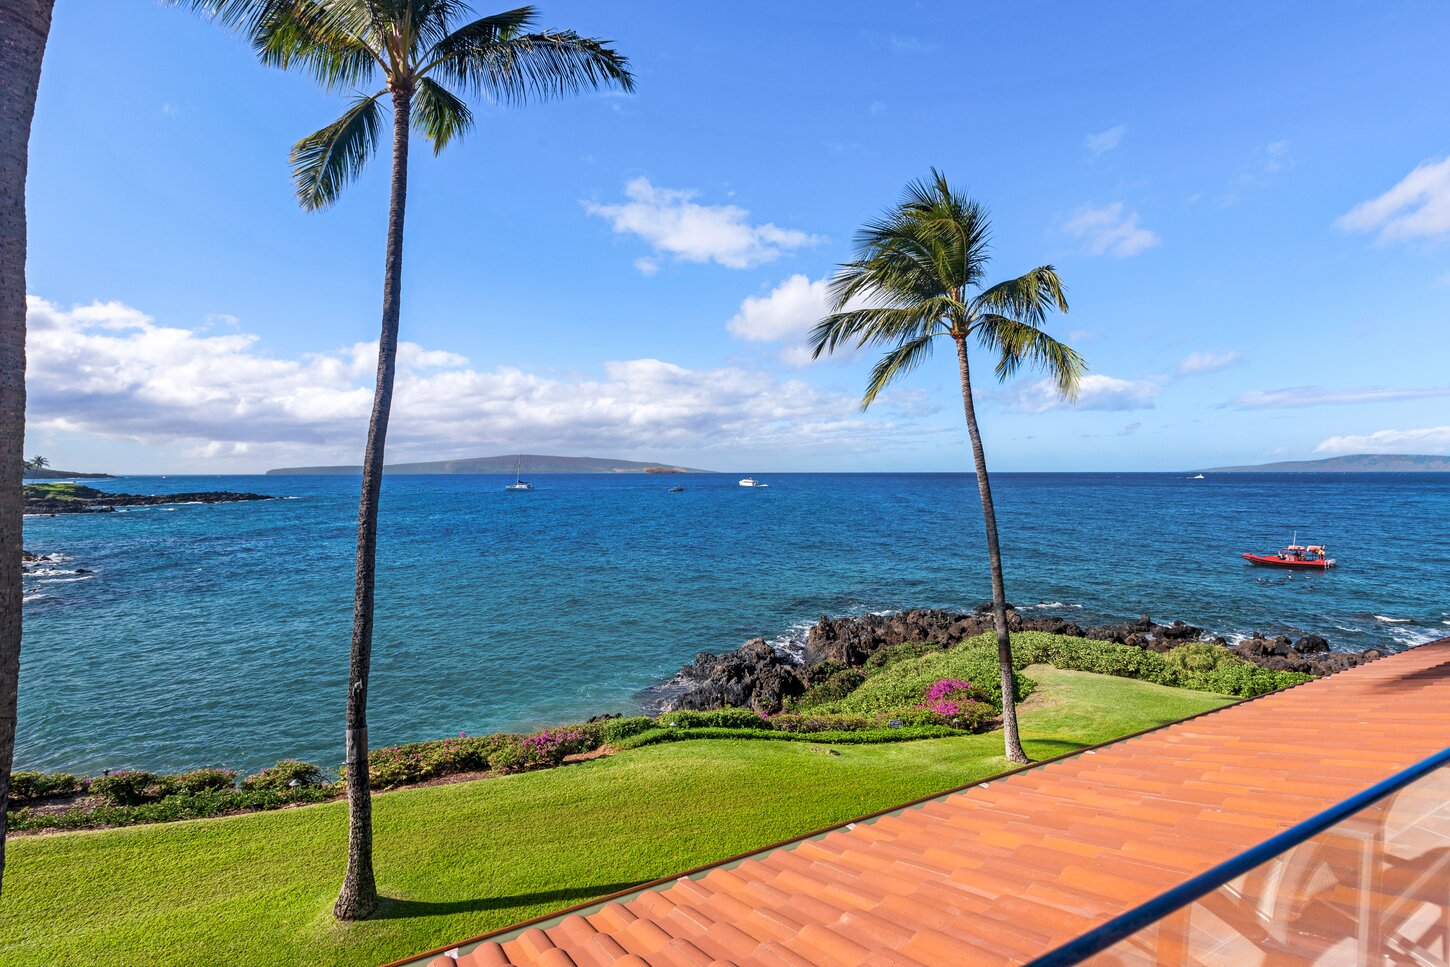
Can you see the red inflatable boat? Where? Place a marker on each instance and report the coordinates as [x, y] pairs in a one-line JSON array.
[[1296, 556]]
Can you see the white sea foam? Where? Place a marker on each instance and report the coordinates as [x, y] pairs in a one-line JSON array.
[[27, 598], [50, 580], [1056, 604], [1394, 621]]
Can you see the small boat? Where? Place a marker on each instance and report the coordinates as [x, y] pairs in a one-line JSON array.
[[1198, 476], [752, 482], [1294, 556], [519, 482], [677, 490]]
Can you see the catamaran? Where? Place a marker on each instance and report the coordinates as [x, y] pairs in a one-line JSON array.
[[519, 482]]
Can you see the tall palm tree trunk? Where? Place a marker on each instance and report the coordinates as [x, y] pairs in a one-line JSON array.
[[24, 28], [994, 553], [359, 896]]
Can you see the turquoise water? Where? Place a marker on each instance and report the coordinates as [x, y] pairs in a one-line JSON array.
[[218, 634]]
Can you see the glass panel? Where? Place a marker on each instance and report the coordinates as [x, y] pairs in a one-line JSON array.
[[1372, 890]]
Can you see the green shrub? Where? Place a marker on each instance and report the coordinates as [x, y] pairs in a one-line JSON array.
[[279, 778], [125, 787], [617, 730], [863, 737], [1202, 666], [197, 780], [38, 785], [834, 687], [720, 718], [169, 809], [902, 652], [902, 684], [807, 722]]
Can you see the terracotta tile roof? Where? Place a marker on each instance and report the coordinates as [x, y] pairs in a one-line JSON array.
[[1011, 868]]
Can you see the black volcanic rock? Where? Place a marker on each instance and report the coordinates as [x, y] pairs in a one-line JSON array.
[[78, 499]]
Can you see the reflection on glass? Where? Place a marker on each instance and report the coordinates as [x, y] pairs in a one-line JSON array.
[[1372, 890]]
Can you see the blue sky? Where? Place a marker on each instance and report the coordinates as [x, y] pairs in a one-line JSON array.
[[1242, 201]]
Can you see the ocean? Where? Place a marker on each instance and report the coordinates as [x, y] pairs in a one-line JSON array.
[[218, 634]]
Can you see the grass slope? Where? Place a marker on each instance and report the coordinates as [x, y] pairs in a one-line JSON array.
[[461, 859]]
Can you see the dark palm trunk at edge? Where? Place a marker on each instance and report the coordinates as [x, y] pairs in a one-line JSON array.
[[24, 28], [359, 896], [1010, 739]]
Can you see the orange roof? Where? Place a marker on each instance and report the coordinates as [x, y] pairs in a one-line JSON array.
[[1013, 867]]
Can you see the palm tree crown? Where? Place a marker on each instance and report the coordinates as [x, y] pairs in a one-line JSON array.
[[918, 274], [410, 48]]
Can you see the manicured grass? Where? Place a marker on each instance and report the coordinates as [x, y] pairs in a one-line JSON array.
[[461, 859]]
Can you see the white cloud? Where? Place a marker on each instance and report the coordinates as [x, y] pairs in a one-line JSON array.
[[674, 224], [1432, 439], [787, 314], [1095, 392], [1274, 158], [1108, 230], [1301, 396], [1208, 362], [1417, 207], [107, 369], [1105, 141]]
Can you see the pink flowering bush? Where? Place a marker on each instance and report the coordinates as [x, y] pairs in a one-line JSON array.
[[959, 704]]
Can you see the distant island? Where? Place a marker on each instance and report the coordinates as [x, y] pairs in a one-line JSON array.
[[505, 463], [48, 474], [1353, 463]]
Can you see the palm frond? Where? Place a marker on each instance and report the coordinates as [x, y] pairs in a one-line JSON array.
[[513, 68], [896, 364], [242, 16], [875, 325], [1017, 343], [328, 47], [439, 114], [326, 160], [1029, 297]]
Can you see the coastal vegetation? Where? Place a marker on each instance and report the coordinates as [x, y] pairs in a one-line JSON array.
[[467, 857], [414, 48], [911, 692], [920, 274], [24, 30]]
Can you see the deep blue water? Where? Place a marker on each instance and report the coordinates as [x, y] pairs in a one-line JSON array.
[[219, 634]]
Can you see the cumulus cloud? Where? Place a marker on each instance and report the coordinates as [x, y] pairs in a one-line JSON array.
[[1109, 230], [1301, 396], [110, 370], [1104, 141], [1432, 439], [787, 314], [674, 224], [1096, 392], [1208, 362], [1417, 207]]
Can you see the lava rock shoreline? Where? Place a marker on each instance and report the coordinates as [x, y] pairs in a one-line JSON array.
[[757, 675], [77, 499]]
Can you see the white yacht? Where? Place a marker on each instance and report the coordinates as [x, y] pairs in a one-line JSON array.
[[752, 482], [519, 482]]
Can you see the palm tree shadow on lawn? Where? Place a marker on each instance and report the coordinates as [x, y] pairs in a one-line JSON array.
[[397, 908]]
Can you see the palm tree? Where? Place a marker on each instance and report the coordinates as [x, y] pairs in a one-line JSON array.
[[919, 273], [24, 29], [37, 462], [412, 48]]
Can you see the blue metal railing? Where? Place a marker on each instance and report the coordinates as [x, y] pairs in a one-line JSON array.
[[1124, 925]]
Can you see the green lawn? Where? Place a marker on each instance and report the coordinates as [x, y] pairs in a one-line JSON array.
[[462, 859]]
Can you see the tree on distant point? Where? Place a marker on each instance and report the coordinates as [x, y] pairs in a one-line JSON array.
[[919, 274], [37, 463], [413, 48], [24, 29]]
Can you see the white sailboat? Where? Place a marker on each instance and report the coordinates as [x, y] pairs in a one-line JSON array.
[[519, 482]]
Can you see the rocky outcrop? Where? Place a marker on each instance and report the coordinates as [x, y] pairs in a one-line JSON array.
[[77, 499], [754, 675], [758, 676], [1309, 654]]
